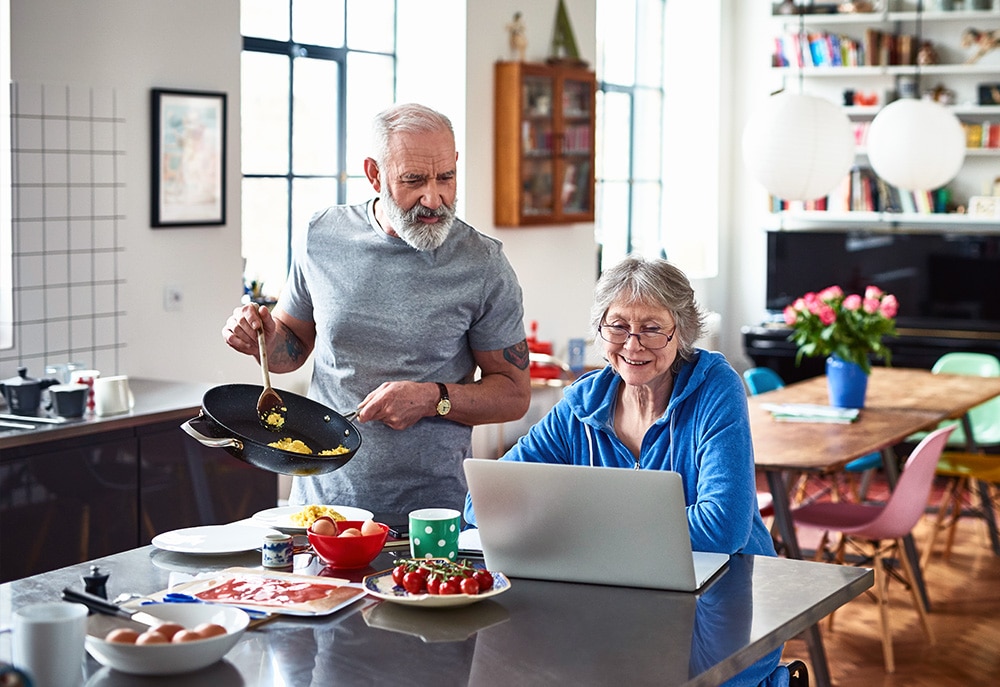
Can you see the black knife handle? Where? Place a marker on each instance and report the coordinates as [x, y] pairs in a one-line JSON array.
[[94, 603]]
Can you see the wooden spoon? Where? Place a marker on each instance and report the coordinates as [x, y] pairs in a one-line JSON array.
[[270, 408]]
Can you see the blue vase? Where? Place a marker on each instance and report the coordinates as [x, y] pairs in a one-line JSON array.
[[846, 382]]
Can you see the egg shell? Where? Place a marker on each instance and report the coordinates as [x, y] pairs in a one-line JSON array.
[[370, 527], [122, 635], [168, 630], [210, 630], [325, 526], [150, 637], [187, 636]]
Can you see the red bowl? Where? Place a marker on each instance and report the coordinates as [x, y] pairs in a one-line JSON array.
[[348, 552]]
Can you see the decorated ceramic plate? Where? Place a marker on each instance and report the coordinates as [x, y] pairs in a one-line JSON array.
[[381, 586], [281, 518]]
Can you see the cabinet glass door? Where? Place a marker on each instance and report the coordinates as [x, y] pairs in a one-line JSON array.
[[538, 141], [576, 152]]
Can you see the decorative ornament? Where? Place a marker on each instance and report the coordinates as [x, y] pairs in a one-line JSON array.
[[564, 48], [517, 32], [983, 41], [799, 147]]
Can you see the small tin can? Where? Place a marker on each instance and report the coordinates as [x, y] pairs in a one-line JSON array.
[[277, 551]]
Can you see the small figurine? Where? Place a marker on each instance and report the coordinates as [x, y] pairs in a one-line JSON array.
[[927, 55], [518, 40], [983, 41]]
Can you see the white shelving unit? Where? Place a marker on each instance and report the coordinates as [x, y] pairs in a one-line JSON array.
[[944, 29]]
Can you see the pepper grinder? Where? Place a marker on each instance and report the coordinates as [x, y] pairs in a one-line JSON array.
[[95, 583]]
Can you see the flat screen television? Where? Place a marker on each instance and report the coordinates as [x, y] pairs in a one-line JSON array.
[[942, 280]]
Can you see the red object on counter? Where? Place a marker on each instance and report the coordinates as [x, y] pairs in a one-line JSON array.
[[540, 370]]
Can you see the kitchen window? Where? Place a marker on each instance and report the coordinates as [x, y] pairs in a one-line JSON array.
[[658, 178], [312, 70]]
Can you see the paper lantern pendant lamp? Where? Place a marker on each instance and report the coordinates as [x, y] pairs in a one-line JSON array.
[[799, 147], [916, 145]]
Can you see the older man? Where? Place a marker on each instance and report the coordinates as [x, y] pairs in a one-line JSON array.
[[400, 303]]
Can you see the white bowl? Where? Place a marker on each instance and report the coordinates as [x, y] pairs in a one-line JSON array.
[[172, 659]]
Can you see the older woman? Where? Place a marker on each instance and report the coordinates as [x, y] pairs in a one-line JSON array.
[[659, 404]]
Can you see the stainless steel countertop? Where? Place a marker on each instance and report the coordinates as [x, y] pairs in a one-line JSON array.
[[156, 400], [536, 633]]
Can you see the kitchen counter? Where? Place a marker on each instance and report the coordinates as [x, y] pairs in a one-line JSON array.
[[156, 400], [536, 633]]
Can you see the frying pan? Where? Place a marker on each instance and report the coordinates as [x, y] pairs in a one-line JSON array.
[[229, 420]]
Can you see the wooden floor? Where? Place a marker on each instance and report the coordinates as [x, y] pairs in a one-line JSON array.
[[965, 618]]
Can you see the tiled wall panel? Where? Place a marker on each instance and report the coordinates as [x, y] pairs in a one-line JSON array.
[[67, 248]]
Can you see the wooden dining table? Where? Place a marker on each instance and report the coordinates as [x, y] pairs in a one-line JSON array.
[[899, 402]]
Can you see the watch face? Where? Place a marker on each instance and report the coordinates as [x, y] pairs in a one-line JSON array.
[[443, 406]]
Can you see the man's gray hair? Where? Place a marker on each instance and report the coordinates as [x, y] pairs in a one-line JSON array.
[[405, 118]]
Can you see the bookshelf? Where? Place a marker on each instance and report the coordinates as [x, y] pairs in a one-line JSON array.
[[873, 55], [544, 147]]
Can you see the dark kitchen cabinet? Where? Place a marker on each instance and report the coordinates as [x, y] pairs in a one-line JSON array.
[[90, 489]]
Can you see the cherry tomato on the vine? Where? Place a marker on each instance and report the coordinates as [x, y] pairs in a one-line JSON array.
[[469, 585], [449, 587], [484, 578], [413, 583]]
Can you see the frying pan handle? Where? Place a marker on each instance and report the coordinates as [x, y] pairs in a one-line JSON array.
[[209, 441]]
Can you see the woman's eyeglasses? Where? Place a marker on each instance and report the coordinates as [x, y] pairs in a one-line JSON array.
[[616, 334]]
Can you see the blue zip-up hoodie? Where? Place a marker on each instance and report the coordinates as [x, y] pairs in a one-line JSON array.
[[704, 435]]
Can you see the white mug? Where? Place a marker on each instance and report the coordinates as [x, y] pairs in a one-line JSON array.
[[49, 642], [112, 395]]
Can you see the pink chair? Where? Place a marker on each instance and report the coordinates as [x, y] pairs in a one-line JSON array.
[[877, 531]]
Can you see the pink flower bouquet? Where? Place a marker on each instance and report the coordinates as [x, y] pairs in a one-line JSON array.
[[850, 327]]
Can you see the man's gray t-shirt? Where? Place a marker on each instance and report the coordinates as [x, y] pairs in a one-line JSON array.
[[385, 312]]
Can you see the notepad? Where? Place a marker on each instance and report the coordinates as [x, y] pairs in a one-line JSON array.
[[810, 412]]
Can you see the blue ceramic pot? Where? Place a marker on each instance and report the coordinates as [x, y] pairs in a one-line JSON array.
[[847, 383]]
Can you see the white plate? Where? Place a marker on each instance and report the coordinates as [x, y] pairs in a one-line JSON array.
[[381, 586], [213, 539], [281, 518]]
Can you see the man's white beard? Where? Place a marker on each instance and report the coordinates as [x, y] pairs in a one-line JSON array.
[[406, 223]]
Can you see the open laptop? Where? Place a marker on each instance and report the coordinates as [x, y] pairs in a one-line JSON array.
[[587, 524]]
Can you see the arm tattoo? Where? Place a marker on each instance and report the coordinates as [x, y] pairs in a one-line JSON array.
[[517, 355], [293, 347], [289, 349]]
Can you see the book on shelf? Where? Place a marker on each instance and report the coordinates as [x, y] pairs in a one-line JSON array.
[[861, 190]]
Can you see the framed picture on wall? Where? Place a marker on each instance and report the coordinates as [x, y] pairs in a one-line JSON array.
[[188, 158]]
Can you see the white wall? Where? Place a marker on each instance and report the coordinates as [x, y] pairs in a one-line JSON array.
[[133, 46], [557, 266]]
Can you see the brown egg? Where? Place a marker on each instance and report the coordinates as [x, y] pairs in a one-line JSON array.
[[186, 636], [351, 532], [168, 630], [122, 635], [370, 527], [210, 630], [151, 637], [325, 526]]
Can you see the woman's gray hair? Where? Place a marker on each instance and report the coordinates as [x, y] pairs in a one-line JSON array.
[[404, 118], [652, 282]]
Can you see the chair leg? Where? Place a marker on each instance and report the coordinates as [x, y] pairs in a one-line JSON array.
[[917, 600], [938, 524], [956, 514], [882, 593]]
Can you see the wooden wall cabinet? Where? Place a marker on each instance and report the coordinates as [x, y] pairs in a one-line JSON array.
[[544, 155]]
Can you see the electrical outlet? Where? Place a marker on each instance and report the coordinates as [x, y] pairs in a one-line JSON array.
[[173, 297]]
